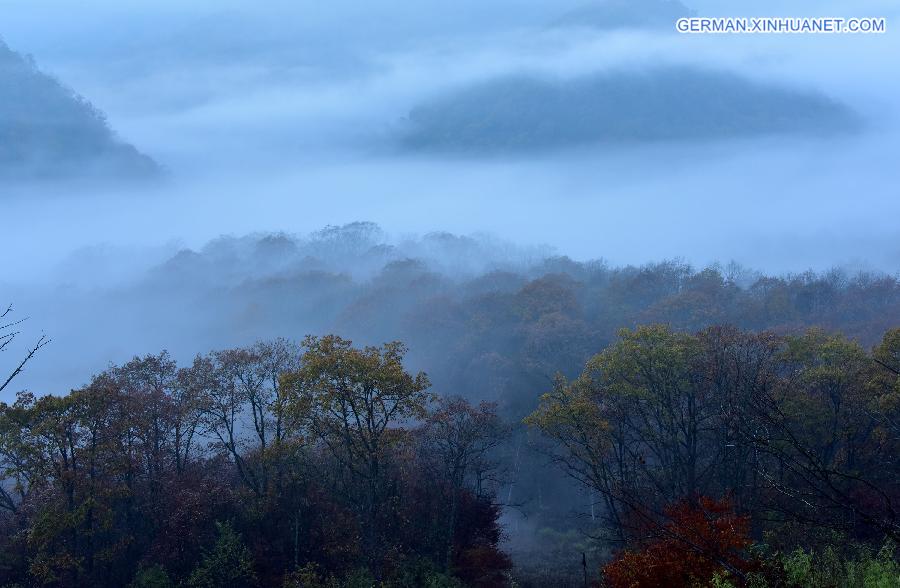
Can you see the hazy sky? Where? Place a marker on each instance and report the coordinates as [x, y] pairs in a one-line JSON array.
[[275, 115]]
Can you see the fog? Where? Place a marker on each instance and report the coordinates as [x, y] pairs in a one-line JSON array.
[[287, 117]]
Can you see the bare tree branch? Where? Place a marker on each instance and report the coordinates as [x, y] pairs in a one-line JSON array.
[[7, 338]]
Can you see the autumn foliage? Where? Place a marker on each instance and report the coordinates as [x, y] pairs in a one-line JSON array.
[[275, 465], [698, 540]]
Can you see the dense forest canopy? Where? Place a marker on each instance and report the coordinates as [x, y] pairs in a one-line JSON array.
[[325, 457], [486, 319], [509, 318], [722, 456]]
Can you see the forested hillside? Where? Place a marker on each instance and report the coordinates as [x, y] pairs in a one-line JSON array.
[[466, 294], [723, 457], [49, 131], [741, 427], [662, 103], [485, 321]]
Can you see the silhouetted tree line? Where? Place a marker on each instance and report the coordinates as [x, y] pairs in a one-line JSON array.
[[497, 330], [719, 458], [161, 473], [502, 335], [273, 465], [716, 456]]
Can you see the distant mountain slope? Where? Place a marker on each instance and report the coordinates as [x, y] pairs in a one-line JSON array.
[[49, 131], [619, 14], [662, 104]]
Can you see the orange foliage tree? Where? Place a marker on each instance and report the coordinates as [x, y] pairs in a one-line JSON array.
[[699, 539]]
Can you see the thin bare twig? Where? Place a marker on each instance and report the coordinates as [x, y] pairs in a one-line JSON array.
[[40, 343]]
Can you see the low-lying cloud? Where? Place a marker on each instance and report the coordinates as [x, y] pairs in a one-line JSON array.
[[282, 117]]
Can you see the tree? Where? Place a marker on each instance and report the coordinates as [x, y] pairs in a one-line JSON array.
[[228, 563], [459, 441], [796, 430], [10, 458], [641, 426], [7, 336], [317, 465], [701, 539], [353, 401], [823, 430], [243, 406]]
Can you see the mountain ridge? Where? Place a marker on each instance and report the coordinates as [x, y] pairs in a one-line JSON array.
[[49, 131]]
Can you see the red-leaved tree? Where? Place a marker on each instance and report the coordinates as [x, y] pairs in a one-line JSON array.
[[699, 539]]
